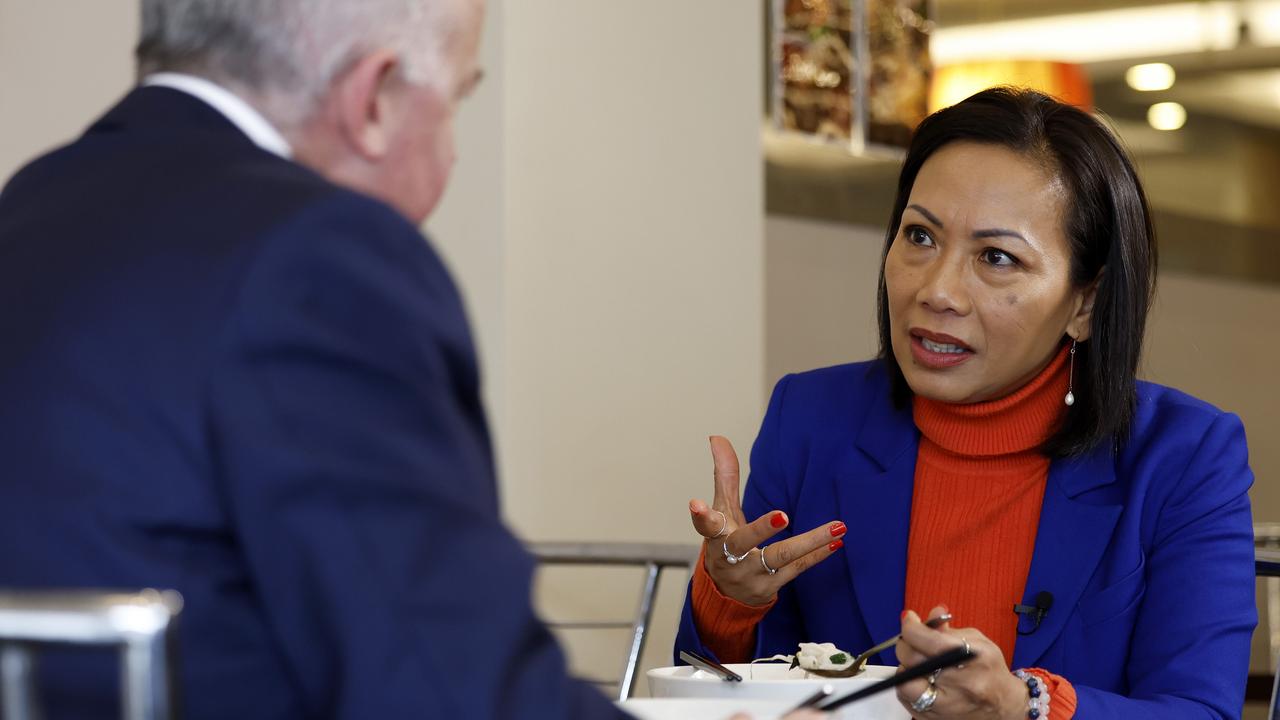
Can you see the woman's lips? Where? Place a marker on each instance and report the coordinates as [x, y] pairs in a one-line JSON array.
[[937, 351]]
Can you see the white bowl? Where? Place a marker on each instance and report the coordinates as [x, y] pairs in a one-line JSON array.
[[777, 681], [702, 708]]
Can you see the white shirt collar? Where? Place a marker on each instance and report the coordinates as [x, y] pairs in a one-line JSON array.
[[240, 113]]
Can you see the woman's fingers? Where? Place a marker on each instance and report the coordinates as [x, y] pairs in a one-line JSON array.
[[941, 611], [925, 640], [908, 654], [789, 572], [756, 532], [707, 521], [794, 555], [981, 687], [918, 643], [725, 472]]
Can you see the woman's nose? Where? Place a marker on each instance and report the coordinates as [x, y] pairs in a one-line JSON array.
[[942, 289]]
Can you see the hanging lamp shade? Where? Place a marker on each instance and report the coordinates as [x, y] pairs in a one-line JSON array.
[[1064, 81]]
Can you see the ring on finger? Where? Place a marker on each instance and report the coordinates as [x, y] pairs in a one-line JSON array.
[[767, 569], [724, 525], [933, 676], [926, 700], [734, 559]]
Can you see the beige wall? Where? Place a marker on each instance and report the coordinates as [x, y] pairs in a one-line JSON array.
[[606, 223], [61, 65], [820, 294]]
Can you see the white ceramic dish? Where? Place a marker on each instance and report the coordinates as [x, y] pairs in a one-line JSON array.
[[702, 708], [777, 682]]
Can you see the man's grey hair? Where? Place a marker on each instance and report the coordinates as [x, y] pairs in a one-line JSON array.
[[287, 52]]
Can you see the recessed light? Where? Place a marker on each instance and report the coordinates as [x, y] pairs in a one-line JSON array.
[[1150, 76], [1167, 116]]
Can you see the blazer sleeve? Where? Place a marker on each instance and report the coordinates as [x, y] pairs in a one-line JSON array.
[[355, 466], [1189, 655], [782, 628]]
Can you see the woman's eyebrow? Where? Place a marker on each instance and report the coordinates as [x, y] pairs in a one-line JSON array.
[[987, 233], [927, 215], [1000, 232]]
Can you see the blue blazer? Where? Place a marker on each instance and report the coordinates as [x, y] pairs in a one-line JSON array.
[[224, 375], [1148, 552]]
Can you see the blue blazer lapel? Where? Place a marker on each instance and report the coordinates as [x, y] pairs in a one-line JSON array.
[[1071, 539], [873, 491]]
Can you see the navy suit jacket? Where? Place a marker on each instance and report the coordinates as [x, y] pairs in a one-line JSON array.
[[224, 375], [1148, 553]]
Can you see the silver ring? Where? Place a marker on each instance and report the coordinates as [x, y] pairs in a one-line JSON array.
[[724, 525], [926, 700], [767, 569], [734, 559], [967, 651]]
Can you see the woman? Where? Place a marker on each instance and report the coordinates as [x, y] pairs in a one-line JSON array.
[[999, 452]]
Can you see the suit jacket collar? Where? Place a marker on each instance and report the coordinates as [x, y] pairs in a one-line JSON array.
[[874, 499], [1072, 537], [887, 432], [169, 111], [244, 116]]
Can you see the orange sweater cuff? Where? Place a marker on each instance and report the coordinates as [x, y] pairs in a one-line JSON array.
[[1062, 695], [726, 626]]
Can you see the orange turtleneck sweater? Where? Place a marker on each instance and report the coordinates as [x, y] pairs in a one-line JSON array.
[[979, 483]]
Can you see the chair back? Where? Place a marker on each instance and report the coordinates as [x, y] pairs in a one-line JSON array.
[[140, 624], [653, 558], [1267, 565]]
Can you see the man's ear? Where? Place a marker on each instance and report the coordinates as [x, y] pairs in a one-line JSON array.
[[1080, 326], [363, 114]]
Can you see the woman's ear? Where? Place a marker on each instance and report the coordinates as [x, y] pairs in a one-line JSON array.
[[362, 96], [1080, 327]]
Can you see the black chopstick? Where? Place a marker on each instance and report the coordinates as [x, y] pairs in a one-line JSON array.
[[711, 666], [937, 662]]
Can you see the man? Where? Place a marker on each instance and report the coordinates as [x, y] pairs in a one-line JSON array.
[[232, 367]]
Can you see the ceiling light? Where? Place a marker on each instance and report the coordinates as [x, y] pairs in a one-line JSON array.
[[1085, 37], [1167, 116], [1151, 76]]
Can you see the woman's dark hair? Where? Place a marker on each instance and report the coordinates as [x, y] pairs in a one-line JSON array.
[[1106, 222]]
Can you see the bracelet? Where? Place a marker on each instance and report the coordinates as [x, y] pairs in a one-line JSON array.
[[1037, 695]]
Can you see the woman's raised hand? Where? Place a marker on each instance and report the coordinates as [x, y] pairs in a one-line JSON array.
[[740, 570]]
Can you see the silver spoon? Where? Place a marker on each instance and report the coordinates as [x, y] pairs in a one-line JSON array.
[[862, 659]]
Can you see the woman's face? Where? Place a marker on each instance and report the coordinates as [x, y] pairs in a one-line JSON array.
[[978, 276]]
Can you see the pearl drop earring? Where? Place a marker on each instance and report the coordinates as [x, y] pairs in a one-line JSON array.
[[1070, 399]]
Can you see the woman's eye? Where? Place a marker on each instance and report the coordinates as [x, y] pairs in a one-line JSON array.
[[918, 236], [998, 258]]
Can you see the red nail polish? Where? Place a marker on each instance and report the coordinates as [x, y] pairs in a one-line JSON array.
[[835, 545], [838, 529], [904, 615], [778, 520]]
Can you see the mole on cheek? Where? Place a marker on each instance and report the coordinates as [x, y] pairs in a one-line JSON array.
[[1011, 300]]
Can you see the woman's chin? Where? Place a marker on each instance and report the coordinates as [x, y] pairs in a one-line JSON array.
[[945, 389]]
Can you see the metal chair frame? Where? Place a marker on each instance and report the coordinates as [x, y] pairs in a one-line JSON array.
[[654, 558], [1267, 565], [139, 623]]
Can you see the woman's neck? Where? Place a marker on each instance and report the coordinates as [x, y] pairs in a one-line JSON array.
[[1019, 422]]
